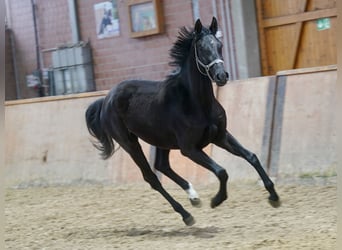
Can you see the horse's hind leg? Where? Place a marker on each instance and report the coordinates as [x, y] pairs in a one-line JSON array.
[[132, 146], [229, 143], [162, 164]]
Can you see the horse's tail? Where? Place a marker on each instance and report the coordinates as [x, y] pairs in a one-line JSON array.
[[105, 142]]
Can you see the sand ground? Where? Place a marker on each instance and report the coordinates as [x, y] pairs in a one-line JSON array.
[[137, 217]]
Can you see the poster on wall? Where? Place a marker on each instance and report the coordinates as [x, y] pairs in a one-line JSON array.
[[107, 19]]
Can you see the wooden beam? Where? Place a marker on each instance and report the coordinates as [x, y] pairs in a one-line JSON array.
[[300, 17], [307, 70], [262, 38], [57, 98], [299, 30]]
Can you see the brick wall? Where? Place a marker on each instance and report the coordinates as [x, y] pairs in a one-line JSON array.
[[54, 26], [21, 24], [122, 57], [115, 58]]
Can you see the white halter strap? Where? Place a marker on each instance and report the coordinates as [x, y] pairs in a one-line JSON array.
[[206, 66]]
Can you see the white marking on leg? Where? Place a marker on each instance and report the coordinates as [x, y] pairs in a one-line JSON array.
[[192, 194]]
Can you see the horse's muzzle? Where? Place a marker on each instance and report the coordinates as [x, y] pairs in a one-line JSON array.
[[222, 78]]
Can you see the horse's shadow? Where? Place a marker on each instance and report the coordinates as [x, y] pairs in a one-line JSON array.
[[197, 232], [146, 231]]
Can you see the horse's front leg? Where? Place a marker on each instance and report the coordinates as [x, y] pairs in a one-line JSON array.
[[202, 159], [135, 151], [228, 142], [162, 164]]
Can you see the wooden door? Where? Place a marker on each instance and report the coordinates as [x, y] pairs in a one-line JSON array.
[[296, 34]]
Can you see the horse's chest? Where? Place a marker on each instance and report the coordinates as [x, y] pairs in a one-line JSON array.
[[208, 134], [202, 133]]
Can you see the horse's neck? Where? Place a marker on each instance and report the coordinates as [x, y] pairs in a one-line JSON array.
[[201, 90]]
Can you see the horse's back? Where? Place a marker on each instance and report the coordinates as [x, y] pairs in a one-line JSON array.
[[127, 95]]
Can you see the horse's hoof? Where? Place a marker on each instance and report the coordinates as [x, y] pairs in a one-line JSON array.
[[216, 201], [196, 202], [274, 203], [189, 221]]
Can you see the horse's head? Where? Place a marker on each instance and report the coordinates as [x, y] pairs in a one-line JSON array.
[[208, 53]]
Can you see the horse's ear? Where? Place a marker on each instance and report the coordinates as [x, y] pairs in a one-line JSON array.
[[213, 26], [198, 26]]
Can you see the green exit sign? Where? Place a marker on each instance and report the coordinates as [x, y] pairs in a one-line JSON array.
[[323, 24]]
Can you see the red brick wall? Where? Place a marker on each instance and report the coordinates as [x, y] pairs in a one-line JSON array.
[[115, 58], [122, 57], [54, 26], [21, 24]]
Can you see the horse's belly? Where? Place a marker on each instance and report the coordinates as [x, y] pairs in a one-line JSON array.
[[155, 136], [161, 143]]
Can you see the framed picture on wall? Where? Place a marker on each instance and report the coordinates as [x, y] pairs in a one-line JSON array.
[[145, 17], [107, 19]]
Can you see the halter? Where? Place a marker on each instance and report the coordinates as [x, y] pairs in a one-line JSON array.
[[206, 66]]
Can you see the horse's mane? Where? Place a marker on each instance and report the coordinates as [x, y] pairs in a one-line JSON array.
[[179, 53], [181, 48]]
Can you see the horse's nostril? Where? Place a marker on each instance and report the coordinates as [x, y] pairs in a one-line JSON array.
[[218, 77], [222, 76], [227, 75]]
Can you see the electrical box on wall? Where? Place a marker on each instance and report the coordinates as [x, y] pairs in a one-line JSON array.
[[72, 70]]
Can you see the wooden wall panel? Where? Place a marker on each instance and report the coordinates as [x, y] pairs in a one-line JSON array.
[[317, 48], [289, 36]]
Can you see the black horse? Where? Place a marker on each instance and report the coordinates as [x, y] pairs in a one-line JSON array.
[[178, 113]]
